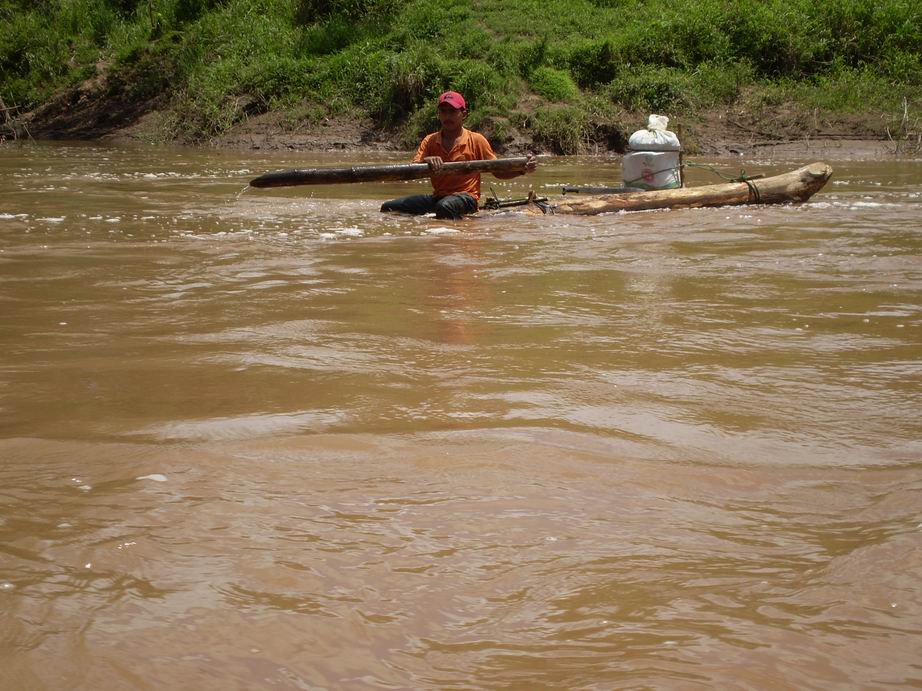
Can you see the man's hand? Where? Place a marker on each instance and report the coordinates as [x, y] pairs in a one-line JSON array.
[[435, 163], [531, 164]]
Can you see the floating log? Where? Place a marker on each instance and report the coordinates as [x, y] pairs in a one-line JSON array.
[[384, 173], [796, 186]]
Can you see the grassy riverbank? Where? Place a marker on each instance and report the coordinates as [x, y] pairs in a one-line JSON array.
[[561, 75]]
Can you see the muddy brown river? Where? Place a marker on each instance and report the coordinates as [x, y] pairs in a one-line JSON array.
[[276, 439]]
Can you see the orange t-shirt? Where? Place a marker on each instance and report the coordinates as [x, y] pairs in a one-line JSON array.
[[469, 146]]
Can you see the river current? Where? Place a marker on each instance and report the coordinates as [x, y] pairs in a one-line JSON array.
[[276, 439]]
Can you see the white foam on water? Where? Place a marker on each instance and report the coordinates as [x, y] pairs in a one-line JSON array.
[[249, 426], [155, 477], [441, 230]]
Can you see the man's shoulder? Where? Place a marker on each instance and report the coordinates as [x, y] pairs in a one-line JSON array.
[[427, 147], [431, 137]]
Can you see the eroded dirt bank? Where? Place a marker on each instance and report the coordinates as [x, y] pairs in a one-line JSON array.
[[96, 111]]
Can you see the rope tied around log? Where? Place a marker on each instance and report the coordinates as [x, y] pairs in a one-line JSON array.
[[754, 196]]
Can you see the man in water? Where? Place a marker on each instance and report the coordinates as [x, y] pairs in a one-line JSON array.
[[454, 194]]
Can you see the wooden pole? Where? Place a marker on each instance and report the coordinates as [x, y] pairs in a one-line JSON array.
[[680, 134], [383, 173]]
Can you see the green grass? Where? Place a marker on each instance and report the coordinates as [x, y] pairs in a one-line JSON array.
[[560, 71]]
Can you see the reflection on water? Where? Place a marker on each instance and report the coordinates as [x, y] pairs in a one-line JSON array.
[[278, 439]]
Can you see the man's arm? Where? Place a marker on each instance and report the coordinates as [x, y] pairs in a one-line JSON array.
[[423, 150]]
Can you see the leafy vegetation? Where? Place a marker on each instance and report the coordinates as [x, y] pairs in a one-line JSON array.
[[562, 71]]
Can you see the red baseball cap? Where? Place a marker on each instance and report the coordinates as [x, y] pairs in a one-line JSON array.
[[454, 99]]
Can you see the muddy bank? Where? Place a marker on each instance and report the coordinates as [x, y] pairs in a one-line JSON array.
[[89, 113], [705, 139], [711, 135]]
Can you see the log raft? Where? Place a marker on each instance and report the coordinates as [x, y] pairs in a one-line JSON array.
[[796, 186]]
